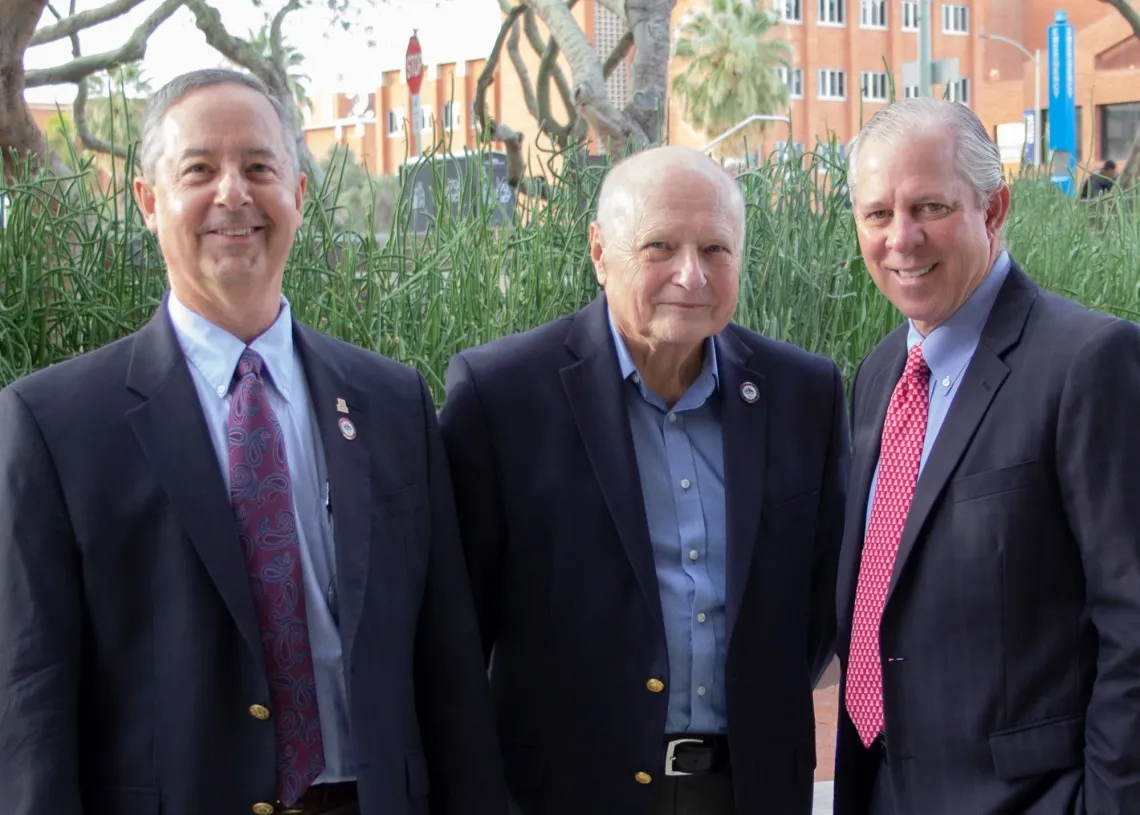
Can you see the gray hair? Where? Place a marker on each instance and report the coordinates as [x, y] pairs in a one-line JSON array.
[[976, 156], [159, 104]]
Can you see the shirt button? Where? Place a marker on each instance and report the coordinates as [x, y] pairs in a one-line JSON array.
[[701, 617], [672, 418], [694, 554], [636, 379], [685, 483], [946, 382], [221, 389], [701, 690]]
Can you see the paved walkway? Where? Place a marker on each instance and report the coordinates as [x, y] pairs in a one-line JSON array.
[[826, 706]]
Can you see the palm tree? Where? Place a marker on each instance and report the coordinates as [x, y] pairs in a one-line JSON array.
[[730, 68], [292, 60]]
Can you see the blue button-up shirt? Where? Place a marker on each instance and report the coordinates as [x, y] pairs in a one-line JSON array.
[[680, 460], [948, 350], [213, 355]]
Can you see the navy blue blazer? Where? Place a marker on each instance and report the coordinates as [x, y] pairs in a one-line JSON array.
[[565, 586], [129, 650]]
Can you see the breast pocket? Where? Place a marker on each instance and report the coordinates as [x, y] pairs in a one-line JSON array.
[[994, 482]]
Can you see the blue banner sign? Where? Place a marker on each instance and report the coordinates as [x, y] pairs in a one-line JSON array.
[[1062, 103]]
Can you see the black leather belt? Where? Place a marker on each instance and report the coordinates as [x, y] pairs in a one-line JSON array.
[[688, 754], [322, 797]]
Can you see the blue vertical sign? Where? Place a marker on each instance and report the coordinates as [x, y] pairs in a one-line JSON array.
[[1062, 103]]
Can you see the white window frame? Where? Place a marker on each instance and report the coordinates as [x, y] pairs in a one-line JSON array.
[[910, 91], [450, 116], [782, 7], [908, 15], [959, 91], [953, 15], [826, 81], [868, 80], [395, 115], [781, 151], [824, 15], [873, 14], [425, 119], [791, 77]]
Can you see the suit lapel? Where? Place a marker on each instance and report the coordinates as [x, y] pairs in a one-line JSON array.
[[984, 377], [869, 423], [594, 387], [174, 437], [348, 457], [744, 426]]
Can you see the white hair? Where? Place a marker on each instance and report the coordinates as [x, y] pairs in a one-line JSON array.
[[976, 156]]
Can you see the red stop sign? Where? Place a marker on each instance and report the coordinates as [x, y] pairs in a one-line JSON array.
[[414, 65]]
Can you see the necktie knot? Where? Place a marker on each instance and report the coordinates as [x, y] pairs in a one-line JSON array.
[[249, 363], [916, 368]]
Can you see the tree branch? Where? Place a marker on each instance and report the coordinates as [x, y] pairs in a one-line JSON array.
[[540, 47], [618, 55], [133, 50], [276, 46], [523, 71], [209, 22], [616, 6], [559, 133], [85, 19], [1130, 14], [79, 108], [487, 125]]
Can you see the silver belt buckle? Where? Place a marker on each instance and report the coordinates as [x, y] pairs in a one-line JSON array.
[[670, 755]]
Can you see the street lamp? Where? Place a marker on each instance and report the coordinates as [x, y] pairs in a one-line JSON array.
[[1038, 147]]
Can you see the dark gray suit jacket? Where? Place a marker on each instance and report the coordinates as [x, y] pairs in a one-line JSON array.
[[129, 649], [566, 589], [1011, 633]]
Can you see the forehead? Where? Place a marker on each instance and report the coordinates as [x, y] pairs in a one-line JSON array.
[[684, 198], [223, 116], [917, 166]]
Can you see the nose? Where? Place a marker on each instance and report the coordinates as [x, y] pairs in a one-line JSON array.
[[691, 272], [233, 189], [904, 234]]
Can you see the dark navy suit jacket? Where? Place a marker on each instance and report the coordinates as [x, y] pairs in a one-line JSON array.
[[129, 650], [565, 586], [1011, 633]]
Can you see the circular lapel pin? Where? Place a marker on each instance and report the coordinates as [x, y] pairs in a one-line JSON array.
[[347, 428], [749, 393]]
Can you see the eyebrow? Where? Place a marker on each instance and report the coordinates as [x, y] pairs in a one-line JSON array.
[[202, 152]]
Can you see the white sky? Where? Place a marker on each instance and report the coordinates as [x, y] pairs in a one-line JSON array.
[[448, 30]]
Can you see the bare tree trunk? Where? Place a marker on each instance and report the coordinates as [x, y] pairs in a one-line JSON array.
[[649, 23], [19, 136]]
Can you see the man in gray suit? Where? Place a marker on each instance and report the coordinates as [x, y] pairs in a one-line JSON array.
[[989, 585]]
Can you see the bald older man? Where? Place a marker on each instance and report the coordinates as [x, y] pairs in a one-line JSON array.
[[651, 501]]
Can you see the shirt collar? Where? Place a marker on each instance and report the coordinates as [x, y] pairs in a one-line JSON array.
[[710, 370], [215, 351], [950, 346]]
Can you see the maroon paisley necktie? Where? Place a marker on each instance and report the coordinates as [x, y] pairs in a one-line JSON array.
[[261, 495]]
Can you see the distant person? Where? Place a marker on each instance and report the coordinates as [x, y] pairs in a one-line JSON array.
[[651, 499], [989, 587], [1100, 182], [230, 573]]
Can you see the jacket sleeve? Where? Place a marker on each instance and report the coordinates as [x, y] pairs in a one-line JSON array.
[[829, 535], [41, 624]]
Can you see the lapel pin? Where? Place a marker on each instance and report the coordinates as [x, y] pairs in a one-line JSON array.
[[341, 405], [749, 392], [347, 428]]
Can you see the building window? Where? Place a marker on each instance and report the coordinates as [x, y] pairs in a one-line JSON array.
[[424, 123], [831, 12], [873, 14], [449, 116], [395, 122], [832, 84], [959, 91], [955, 19], [910, 15], [1119, 125], [789, 152], [910, 91], [875, 86], [789, 11], [794, 79]]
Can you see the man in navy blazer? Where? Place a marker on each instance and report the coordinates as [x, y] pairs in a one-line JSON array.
[[134, 671], [651, 501]]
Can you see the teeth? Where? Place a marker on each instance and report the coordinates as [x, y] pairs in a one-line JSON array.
[[235, 233], [912, 273]]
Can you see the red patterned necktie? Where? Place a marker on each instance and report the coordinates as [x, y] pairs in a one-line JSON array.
[[261, 495], [903, 435]]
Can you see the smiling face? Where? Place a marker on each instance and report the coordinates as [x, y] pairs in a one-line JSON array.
[[926, 241], [225, 201], [670, 264]]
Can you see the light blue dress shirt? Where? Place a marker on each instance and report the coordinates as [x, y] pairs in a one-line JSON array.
[[213, 355], [948, 350], [680, 460]]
